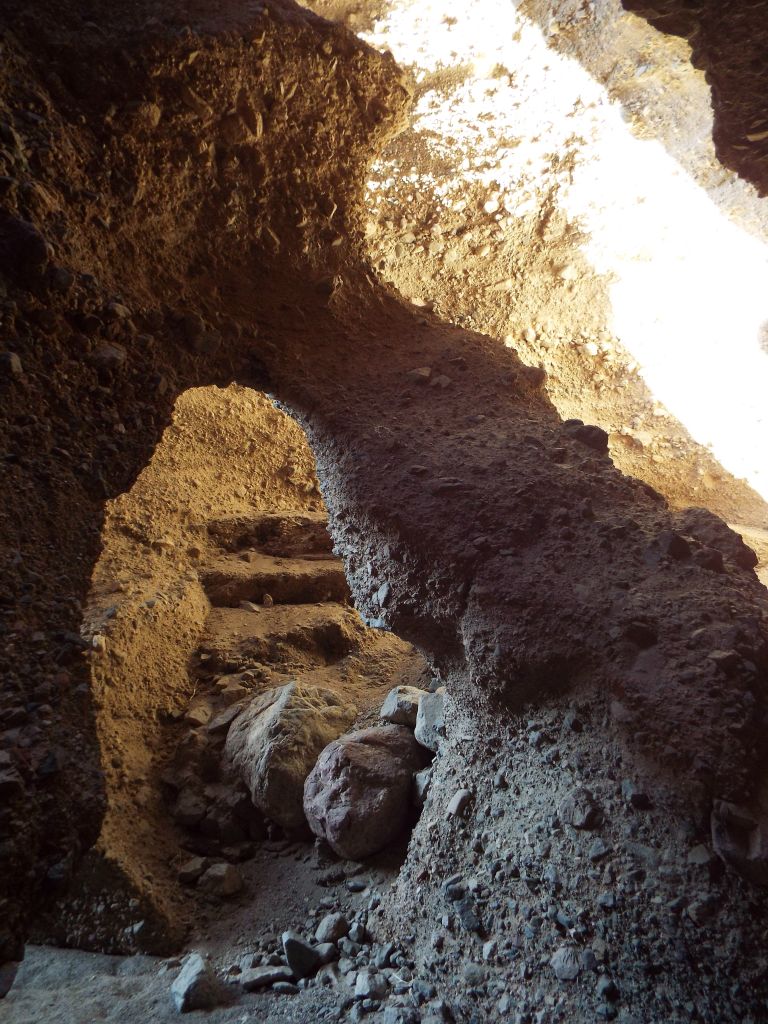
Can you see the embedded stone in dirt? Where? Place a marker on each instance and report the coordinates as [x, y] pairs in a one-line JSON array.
[[274, 744], [430, 719], [357, 797], [260, 977], [580, 810]]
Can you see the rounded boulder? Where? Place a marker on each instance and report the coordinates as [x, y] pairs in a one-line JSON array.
[[357, 797]]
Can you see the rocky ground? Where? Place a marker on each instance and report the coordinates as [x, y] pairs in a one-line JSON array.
[[185, 200]]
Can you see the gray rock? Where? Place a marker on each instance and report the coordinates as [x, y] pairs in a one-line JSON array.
[[357, 796], [285, 988], [303, 959], [197, 987], [332, 928], [327, 951], [607, 988], [430, 719], [221, 880], [401, 1015], [274, 744], [330, 976], [401, 705], [635, 796], [189, 809], [598, 850], [580, 810], [700, 856], [261, 977], [474, 974], [565, 963], [369, 984], [357, 933], [421, 784], [459, 803]]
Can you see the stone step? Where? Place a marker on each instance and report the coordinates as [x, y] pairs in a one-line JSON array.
[[287, 534], [286, 636], [248, 576]]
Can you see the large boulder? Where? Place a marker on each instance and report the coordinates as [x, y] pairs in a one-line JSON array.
[[274, 743], [357, 796]]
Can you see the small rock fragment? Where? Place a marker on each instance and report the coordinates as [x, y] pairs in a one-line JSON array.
[[459, 803], [420, 375], [565, 963], [579, 810], [401, 705], [260, 977]]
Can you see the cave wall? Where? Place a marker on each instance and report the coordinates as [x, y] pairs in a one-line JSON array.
[[131, 160], [728, 43], [166, 192]]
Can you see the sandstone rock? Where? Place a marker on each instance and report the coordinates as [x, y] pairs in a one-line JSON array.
[[109, 358], [357, 795], [430, 719], [274, 743], [191, 870], [196, 987], [401, 705], [10, 365]]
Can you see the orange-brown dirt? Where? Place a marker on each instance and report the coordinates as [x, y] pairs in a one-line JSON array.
[[232, 471]]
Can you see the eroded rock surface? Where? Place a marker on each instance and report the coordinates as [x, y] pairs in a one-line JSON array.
[[274, 744]]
